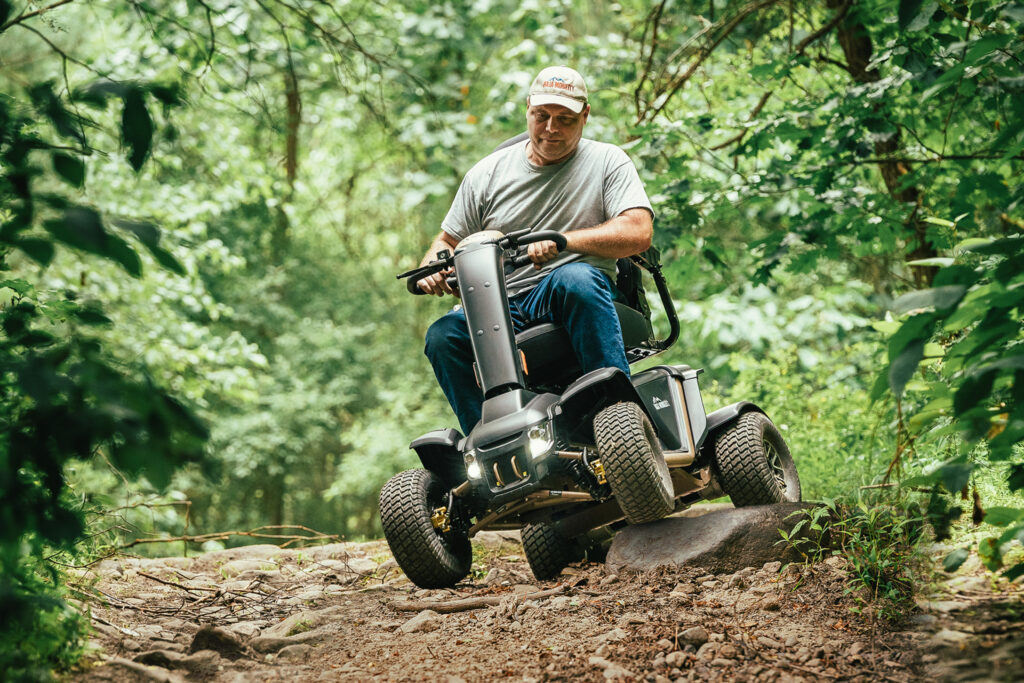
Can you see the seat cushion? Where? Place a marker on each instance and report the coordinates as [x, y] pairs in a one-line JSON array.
[[549, 355]]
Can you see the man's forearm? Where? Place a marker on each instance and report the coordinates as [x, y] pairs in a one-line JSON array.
[[627, 234], [442, 241]]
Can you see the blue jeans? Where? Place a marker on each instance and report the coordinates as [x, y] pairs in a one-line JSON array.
[[577, 295]]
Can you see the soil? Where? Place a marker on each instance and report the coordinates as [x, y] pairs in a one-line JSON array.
[[334, 612]]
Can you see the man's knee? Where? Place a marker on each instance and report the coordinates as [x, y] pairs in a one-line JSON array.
[[445, 335], [580, 280]]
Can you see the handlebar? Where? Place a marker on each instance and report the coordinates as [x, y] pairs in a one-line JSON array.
[[513, 240]]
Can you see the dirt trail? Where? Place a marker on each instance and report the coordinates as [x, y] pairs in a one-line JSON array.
[[331, 613]]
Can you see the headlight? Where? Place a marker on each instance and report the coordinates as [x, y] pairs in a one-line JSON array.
[[473, 470], [540, 440]]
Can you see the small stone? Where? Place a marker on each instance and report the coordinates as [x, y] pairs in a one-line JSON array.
[[857, 648], [665, 645], [218, 640], [737, 582], [294, 652], [685, 588], [676, 658], [923, 620], [696, 636], [728, 651], [771, 604], [427, 620], [613, 636], [771, 567], [770, 643], [493, 577]]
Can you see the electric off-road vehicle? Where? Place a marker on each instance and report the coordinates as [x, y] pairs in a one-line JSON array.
[[568, 457]]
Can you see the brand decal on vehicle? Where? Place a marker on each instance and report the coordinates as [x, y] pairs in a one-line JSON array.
[[660, 403]]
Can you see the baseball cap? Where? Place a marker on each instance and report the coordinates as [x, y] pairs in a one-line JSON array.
[[559, 85]]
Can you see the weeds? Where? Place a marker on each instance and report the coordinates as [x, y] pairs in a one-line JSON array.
[[880, 542]]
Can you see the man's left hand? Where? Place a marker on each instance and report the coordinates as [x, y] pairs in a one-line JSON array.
[[541, 252]]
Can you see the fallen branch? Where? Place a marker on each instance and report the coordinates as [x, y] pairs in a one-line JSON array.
[[467, 604], [254, 533]]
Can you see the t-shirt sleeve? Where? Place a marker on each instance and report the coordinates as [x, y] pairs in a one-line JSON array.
[[463, 217], [623, 189]]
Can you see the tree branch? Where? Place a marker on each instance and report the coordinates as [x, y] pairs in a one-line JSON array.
[[750, 117], [29, 15], [703, 53], [833, 22]]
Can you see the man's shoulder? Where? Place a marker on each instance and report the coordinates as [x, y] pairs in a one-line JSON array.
[[498, 160], [602, 150]]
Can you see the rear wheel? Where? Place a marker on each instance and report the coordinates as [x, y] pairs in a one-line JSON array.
[[754, 464], [633, 463], [548, 551], [429, 556]]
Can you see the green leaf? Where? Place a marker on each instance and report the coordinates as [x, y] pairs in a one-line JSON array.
[[985, 46], [20, 286], [956, 558], [136, 128], [939, 261], [940, 298], [955, 474], [71, 169], [1004, 516], [903, 367], [37, 249], [82, 228], [149, 235], [908, 11]]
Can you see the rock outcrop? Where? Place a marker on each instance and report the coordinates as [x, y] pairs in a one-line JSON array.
[[725, 540]]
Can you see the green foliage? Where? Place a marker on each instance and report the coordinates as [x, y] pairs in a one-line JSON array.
[[63, 396], [973, 393], [41, 632], [879, 539]]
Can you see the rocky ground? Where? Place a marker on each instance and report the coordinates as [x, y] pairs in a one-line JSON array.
[[345, 612]]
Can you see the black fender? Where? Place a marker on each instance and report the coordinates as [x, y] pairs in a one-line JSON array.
[[439, 452], [586, 397]]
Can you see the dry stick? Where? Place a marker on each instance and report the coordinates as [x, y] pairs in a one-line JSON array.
[[291, 538], [468, 603], [175, 585]]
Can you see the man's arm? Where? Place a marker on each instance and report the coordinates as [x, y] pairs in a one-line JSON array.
[[438, 282], [627, 234]]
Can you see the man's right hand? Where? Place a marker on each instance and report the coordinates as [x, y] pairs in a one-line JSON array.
[[437, 284]]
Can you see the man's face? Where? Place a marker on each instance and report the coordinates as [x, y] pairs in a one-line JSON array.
[[554, 132]]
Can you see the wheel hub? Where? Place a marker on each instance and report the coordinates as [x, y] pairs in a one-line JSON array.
[[775, 463]]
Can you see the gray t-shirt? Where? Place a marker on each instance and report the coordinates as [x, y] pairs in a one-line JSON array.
[[505, 192]]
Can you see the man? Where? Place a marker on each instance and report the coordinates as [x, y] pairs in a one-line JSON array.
[[556, 180]]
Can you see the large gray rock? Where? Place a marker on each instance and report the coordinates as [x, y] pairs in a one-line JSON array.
[[721, 541]]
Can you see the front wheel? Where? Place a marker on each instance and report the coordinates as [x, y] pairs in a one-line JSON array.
[[633, 462], [753, 463], [429, 556], [548, 551]]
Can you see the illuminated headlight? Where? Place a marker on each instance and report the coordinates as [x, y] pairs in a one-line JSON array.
[[473, 470], [540, 441]]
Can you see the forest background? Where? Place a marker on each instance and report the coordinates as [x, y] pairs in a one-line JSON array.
[[204, 204]]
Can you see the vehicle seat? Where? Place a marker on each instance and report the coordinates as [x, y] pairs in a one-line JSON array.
[[550, 360]]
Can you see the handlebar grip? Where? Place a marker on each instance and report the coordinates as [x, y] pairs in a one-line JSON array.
[[556, 237], [410, 284]]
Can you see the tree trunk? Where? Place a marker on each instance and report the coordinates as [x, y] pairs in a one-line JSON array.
[[291, 160], [857, 47]]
